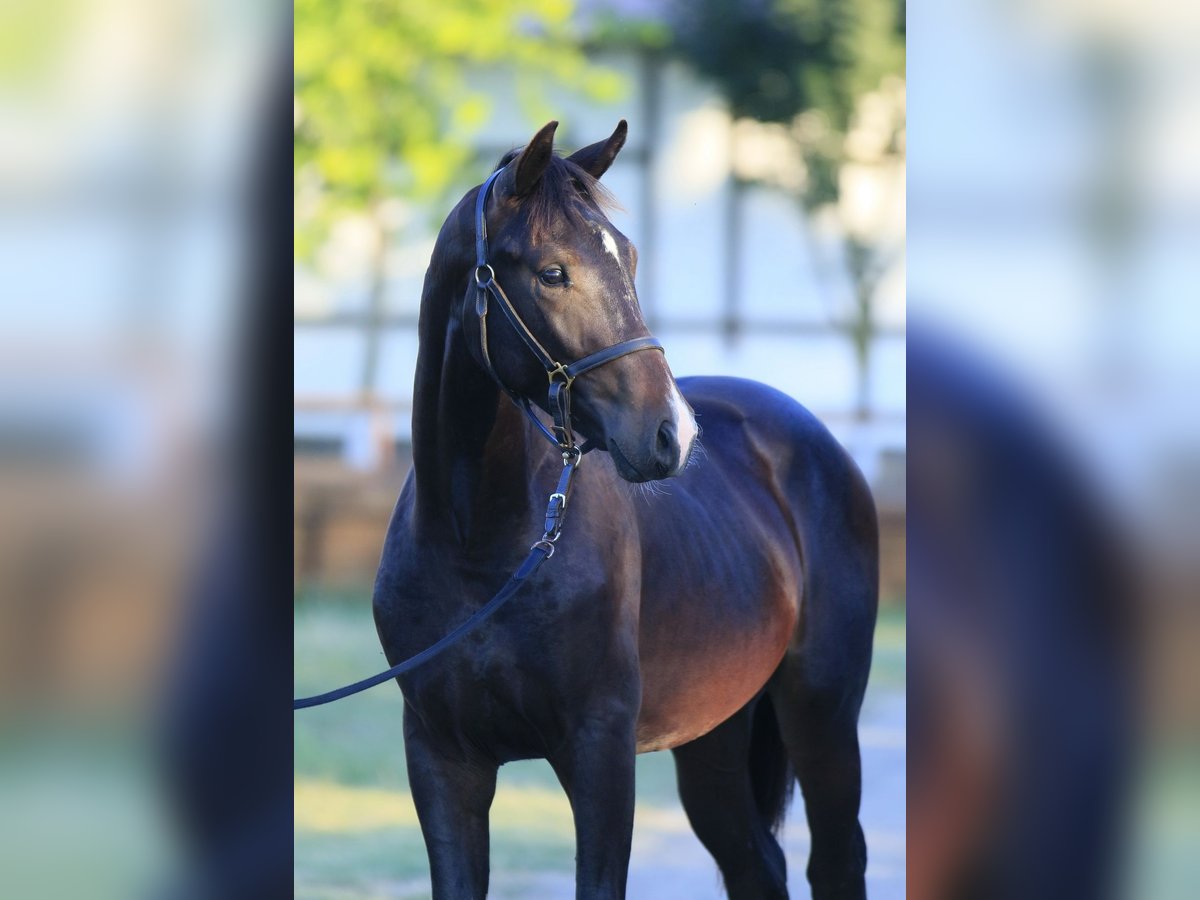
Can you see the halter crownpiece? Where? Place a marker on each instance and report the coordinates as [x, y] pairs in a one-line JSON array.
[[561, 375]]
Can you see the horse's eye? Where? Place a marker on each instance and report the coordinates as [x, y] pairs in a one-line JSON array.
[[553, 275]]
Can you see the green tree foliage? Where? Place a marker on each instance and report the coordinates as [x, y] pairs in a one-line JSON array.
[[384, 104], [778, 59], [808, 65]]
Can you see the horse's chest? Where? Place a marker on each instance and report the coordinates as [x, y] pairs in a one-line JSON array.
[[504, 686], [485, 696]]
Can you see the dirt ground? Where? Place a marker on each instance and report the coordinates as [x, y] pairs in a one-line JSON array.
[[669, 863], [357, 836]]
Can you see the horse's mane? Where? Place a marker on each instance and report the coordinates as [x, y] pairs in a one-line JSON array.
[[564, 189]]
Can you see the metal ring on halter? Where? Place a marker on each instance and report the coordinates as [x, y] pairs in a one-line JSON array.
[[544, 542], [560, 369], [491, 275]]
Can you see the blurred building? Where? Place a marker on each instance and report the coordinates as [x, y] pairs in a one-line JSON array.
[[733, 277]]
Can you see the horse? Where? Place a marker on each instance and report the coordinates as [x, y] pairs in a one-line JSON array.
[[726, 616]]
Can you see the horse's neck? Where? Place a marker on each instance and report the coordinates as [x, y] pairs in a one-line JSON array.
[[469, 448]]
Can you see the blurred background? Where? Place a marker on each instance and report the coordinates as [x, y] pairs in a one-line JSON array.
[[1053, 224], [1043, 568], [763, 185], [127, 133]]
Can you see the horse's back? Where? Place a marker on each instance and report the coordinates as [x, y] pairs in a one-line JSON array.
[[757, 411], [757, 432]]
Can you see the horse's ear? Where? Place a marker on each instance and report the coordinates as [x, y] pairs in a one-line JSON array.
[[534, 158], [596, 158]]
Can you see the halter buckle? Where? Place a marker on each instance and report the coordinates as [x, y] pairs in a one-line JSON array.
[[560, 370]]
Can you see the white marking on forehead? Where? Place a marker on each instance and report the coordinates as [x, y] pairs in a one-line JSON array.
[[610, 244], [685, 423], [610, 247]]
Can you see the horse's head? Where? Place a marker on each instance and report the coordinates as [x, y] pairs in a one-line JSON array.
[[570, 276]]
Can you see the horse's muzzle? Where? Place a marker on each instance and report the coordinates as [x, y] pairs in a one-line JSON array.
[[664, 459]]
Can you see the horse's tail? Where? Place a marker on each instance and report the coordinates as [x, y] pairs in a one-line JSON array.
[[771, 774]]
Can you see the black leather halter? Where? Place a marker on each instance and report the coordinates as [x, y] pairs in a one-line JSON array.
[[561, 376]]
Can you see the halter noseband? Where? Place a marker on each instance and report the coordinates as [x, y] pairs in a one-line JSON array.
[[561, 376]]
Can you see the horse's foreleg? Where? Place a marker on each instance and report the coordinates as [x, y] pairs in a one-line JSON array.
[[452, 795], [596, 769]]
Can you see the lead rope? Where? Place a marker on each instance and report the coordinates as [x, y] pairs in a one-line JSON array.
[[542, 550]]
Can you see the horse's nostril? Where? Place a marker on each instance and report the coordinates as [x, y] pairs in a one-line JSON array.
[[666, 437], [666, 453]]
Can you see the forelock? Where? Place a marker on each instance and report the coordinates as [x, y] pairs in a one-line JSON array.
[[563, 190]]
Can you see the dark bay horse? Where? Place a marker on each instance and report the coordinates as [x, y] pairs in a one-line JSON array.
[[728, 618]]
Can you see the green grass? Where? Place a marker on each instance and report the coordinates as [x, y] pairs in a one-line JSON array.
[[356, 829]]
